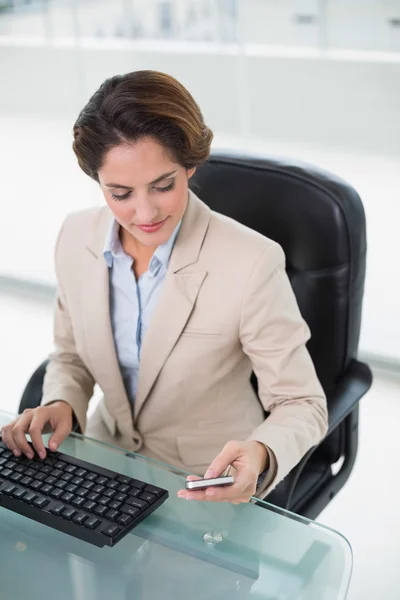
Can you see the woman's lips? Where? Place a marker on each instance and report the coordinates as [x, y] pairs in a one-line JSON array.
[[152, 227]]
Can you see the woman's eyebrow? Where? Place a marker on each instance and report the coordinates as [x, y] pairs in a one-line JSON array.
[[127, 187]]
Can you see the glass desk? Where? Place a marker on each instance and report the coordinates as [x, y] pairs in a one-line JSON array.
[[185, 550]]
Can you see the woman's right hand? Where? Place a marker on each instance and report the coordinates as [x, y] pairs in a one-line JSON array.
[[58, 415]]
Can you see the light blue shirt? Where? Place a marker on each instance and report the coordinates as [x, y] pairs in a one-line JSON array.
[[132, 302]]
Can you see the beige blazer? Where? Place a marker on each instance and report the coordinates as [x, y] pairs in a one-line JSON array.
[[226, 308]]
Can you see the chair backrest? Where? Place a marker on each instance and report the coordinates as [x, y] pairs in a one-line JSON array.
[[319, 221]]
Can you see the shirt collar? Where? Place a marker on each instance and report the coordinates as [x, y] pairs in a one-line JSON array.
[[113, 248]]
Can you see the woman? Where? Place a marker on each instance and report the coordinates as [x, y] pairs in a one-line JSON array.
[[169, 307]]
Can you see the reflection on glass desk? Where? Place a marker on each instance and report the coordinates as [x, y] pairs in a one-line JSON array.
[[186, 549]]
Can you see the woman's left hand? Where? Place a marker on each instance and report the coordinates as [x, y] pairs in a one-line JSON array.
[[248, 460]]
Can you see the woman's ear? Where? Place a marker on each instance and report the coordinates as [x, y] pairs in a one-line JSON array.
[[191, 172]]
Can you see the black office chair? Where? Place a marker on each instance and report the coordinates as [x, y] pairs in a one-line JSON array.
[[319, 221]]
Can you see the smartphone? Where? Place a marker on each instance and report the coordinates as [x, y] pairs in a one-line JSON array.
[[202, 484]]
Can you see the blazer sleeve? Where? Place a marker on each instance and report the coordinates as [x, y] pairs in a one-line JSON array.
[[67, 377], [273, 334]]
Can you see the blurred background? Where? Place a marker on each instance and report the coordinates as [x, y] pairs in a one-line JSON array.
[[317, 80]]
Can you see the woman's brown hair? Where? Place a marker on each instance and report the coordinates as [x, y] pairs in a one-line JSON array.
[[141, 104]]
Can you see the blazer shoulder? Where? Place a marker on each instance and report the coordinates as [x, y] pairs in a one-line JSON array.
[[80, 226], [240, 240]]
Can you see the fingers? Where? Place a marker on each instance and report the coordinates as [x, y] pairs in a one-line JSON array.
[[62, 429], [39, 420], [7, 437], [19, 430], [31, 421], [229, 454]]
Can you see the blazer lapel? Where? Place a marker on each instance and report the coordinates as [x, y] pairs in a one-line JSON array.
[[97, 325], [181, 288]]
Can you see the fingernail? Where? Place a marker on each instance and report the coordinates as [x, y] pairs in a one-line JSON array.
[[210, 492], [42, 455], [17, 452], [209, 475], [29, 455], [53, 446]]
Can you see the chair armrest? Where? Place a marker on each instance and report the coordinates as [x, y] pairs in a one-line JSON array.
[[341, 402], [347, 393]]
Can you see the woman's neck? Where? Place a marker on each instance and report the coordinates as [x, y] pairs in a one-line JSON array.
[[140, 253]]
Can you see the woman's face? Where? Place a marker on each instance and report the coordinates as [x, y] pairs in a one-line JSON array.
[[146, 191]]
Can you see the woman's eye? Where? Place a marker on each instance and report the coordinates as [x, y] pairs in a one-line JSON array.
[[123, 197], [168, 188]]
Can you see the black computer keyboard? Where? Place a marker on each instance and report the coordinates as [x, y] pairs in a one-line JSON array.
[[79, 498]]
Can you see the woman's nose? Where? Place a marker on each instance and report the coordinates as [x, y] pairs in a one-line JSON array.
[[145, 213]]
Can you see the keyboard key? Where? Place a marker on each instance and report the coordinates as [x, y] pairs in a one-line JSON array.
[[91, 477], [82, 492], [78, 501], [119, 497], [77, 480], [124, 479], [134, 491], [124, 489], [102, 480], [137, 503], [57, 473], [47, 469], [3, 460], [19, 493], [10, 464], [30, 497], [130, 510], [50, 480], [124, 519], [99, 489], [41, 501], [79, 518], [80, 472], [40, 476], [26, 481], [89, 506], [67, 477], [92, 496], [57, 509], [92, 523], [6, 473], [71, 469], [111, 515], [68, 513], [16, 477], [60, 465], [61, 484], [110, 493], [67, 497], [111, 530], [46, 489], [115, 505], [152, 489], [100, 510], [30, 472], [35, 485], [21, 469], [71, 488], [150, 498], [112, 484], [103, 500], [137, 484], [56, 493], [88, 485]]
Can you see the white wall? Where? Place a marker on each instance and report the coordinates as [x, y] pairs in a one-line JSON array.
[[347, 100]]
